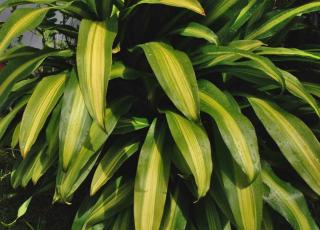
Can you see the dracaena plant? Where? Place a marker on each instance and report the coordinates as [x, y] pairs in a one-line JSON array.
[[166, 114]]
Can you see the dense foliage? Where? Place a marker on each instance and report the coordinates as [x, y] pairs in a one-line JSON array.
[[162, 114]]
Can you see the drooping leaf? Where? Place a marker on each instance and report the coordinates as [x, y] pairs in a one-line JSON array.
[[6, 120], [131, 124], [237, 131], [194, 146], [19, 21], [93, 65], [312, 88], [116, 197], [152, 177], [83, 161], [197, 30], [295, 87], [39, 107], [115, 156], [124, 220], [207, 215], [174, 216], [220, 7], [286, 200], [281, 51], [245, 200], [278, 21], [192, 5], [295, 140], [212, 55], [176, 76], [75, 121], [20, 68]]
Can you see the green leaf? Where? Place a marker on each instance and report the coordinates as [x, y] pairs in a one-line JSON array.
[[46, 158], [39, 107], [212, 55], [116, 197], [295, 140], [176, 76], [192, 5], [220, 7], [21, 212], [237, 131], [194, 146], [245, 200], [83, 161], [152, 178], [123, 221], [174, 216], [115, 156], [93, 65], [286, 200], [119, 70], [278, 21], [207, 216], [131, 124], [281, 51], [197, 30], [74, 123], [295, 87], [312, 88], [20, 68], [17, 52], [7, 119], [20, 21]]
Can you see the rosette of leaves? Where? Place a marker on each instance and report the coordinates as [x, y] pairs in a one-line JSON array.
[[167, 114]]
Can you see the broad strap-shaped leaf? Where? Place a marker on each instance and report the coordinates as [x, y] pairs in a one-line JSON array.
[[39, 107], [176, 76], [15, 136], [286, 200], [20, 21], [193, 5], [278, 21], [194, 145], [131, 124], [115, 156], [120, 70], [12, 3], [294, 138], [207, 215], [83, 161], [117, 196], [244, 15], [312, 88], [151, 182], [23, 173], [44, 160], [174, 215], [281, 51], [20, 68], [17, 52], [237, 131], [295, 87], [124, 220], [245, 200], [212, 55], [74, 123], [219, 8], [94, 60], [6, 120], [197, 30]]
